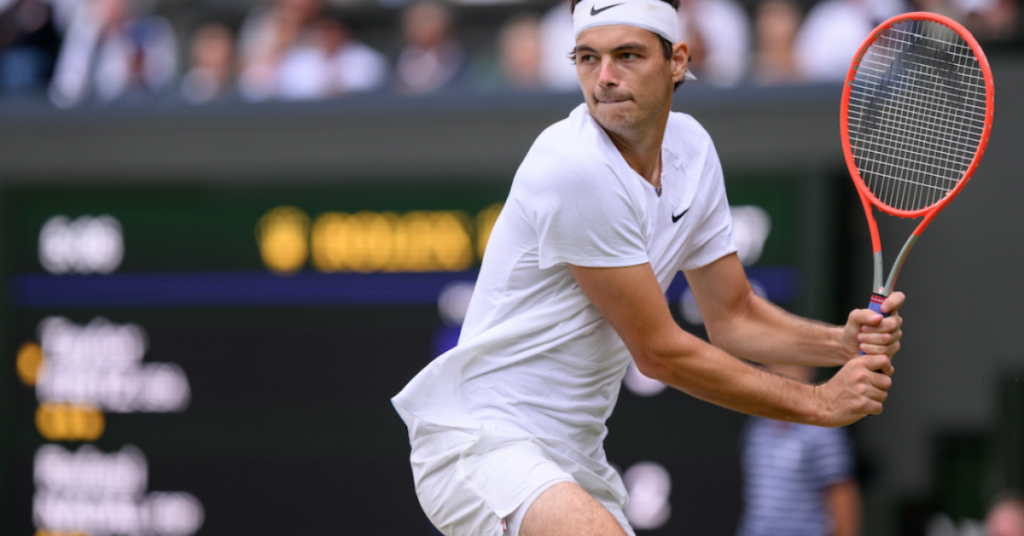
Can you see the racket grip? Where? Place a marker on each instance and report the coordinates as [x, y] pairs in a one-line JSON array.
[[876, 306]]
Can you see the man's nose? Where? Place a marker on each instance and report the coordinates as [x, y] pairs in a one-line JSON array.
[[608, 77]]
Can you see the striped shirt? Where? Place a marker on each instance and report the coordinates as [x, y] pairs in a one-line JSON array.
[[786, 468]]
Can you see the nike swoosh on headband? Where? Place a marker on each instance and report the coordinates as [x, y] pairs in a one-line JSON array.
[[594, 11], [681, 214]]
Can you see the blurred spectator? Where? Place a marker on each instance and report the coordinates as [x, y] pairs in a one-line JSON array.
[[212, 74], [293, 52], [949, 8], [988, 20], [331, 64], [1006, 517], [519, 52], [430, 58], [514, 62], [718, 32], [64, 12], [28, 46], [832, 33], [775, 25], [356, 66], [267, 35], [798, 479], [111, 53], [992, 20], [557, 40]]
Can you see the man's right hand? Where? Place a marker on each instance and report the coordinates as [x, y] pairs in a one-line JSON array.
[[858, 389]]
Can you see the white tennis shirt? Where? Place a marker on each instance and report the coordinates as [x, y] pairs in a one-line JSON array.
[[534, 353]]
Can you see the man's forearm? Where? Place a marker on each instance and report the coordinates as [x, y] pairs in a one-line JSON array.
[[631, 300], [765, 333], [710, 374]]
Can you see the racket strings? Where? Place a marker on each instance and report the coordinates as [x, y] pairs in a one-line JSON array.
[[916, 113], [912, 111]]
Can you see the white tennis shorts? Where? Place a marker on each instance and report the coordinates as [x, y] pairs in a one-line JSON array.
[[481, 482]]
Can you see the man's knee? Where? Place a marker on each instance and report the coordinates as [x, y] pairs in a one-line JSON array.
[[566, 509]]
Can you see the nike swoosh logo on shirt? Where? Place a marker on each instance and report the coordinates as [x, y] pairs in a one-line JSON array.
[[681, 214], [594, 11]]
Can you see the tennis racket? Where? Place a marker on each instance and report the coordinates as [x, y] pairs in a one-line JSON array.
[[915, 121]]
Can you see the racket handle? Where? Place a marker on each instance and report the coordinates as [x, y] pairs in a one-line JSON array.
[[876, 306]]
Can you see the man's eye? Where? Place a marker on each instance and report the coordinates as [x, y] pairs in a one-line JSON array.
[[588, 58], [629, 56]]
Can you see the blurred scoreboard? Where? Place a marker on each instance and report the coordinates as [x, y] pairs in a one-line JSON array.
[[198, 359]]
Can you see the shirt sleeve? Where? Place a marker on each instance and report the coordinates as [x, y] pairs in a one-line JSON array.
[[714, 238], [586, 218], [833, 457]]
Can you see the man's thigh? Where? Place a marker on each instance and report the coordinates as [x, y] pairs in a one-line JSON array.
[[566, 509]]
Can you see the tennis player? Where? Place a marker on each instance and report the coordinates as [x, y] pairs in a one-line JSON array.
[[507, 428]]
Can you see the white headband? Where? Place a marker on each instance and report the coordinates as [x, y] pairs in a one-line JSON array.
[[654, 15]]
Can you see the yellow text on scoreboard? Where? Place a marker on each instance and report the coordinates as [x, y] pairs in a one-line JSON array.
[[366, 241]]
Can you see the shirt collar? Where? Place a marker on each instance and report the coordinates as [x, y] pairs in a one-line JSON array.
[[674, 158]]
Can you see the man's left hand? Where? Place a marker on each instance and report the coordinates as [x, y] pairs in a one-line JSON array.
[[867, 331]]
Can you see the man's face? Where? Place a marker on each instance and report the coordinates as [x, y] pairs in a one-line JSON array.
[[625, 77]]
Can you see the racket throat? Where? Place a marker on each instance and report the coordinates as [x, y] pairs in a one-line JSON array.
[[876, 284], [895, 272]]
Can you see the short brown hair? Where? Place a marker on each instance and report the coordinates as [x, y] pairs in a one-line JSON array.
[[666, 45]]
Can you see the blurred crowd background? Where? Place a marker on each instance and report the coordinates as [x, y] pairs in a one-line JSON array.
[[98, 52]]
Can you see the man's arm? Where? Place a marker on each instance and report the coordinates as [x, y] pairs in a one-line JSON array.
[[843, 503], [745, 325], [632, 302]]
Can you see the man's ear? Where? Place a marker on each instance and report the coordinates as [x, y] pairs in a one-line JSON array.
[[680, 60]]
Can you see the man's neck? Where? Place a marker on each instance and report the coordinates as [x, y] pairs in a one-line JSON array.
[[642, 148]]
